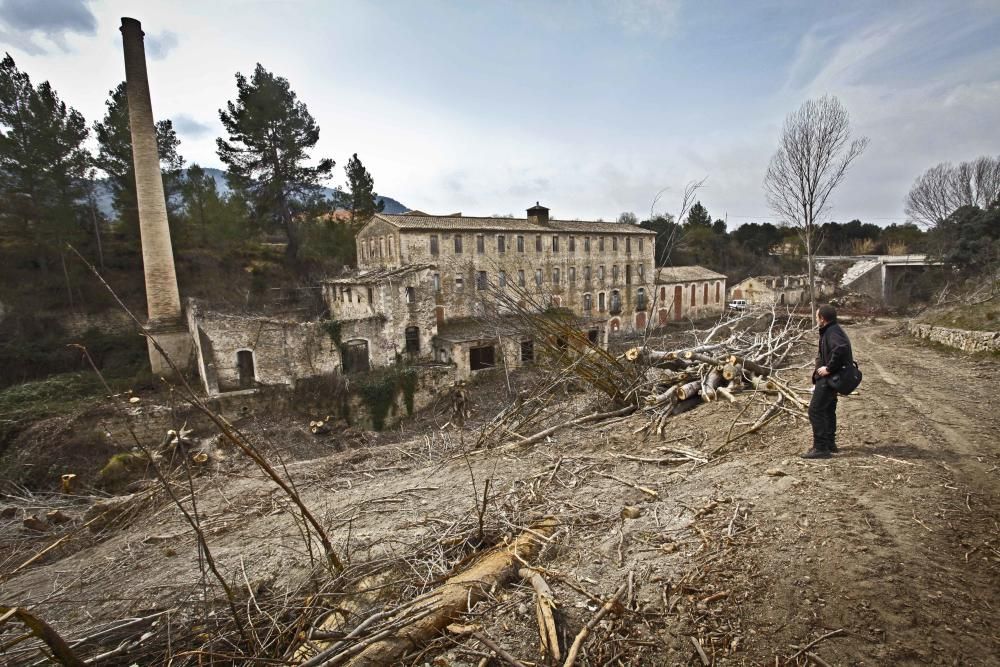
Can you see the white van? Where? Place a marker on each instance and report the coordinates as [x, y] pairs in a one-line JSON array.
[[738, 304]]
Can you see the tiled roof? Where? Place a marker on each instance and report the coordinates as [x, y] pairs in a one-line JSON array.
[[412, 221], [377, 275], [685, 274]]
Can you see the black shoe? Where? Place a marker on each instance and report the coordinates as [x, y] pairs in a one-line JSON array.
[[816, 454]]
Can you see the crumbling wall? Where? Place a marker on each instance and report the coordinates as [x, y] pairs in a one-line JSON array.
[[281, 351]]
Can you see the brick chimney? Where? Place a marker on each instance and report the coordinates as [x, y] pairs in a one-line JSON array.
[[538, 214], [166, 322]]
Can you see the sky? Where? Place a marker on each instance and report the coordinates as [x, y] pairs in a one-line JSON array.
[[590, 107]]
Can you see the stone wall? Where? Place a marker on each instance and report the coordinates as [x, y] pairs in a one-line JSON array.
[[968, 341], [281, 351]]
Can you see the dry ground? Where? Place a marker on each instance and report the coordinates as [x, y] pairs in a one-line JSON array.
[[887, 554]]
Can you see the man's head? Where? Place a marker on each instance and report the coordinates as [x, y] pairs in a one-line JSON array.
[[826, 314]]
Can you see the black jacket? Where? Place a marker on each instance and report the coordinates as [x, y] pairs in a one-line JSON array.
[[834, 349]]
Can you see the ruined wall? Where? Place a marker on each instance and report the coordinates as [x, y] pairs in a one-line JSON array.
[[378, 246], [562, 266], [968, 341], [381, 312], [282, 351]]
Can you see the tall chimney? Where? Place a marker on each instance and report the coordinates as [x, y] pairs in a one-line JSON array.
[[162, 295], [538, 214]]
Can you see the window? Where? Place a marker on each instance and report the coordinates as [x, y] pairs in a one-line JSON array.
[[586, 274], [480, 244], [555, 243], [600, 244], [480, 280], [640, 299], [538, 276], [458, 244], [614, 243], [642, 276], [628, 274], [692, 294], [459, 284], [586, 243], [501, 243], [412, 340], [434, 244], [600, 273], [640, 243], [593, 336], [520, 277], [502, 279], [628, 244], [371, 295], [614, 274], [555, 276], [527, 351], [588, 303], [390, 246], [704, 294], [481, 358], [572, 274], [411, 295], [615, 306], [600, 302], [572, 244], [437, 282], [538, 242], [520, 244], [718, 287]]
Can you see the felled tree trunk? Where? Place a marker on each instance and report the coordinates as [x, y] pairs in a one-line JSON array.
[[495, 568]]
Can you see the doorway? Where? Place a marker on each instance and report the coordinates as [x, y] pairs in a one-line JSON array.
[[244, 365]]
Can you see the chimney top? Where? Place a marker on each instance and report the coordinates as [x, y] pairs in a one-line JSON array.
[[131, 24], [538, 214]]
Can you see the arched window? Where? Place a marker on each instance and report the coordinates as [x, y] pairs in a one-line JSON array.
[[693, 287]]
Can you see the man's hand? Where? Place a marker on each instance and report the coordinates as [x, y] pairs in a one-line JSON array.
[[822, 371]]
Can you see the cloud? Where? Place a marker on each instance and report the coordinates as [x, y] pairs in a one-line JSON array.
[[24, 21], [657, 17], [190, 127], [160, 45]]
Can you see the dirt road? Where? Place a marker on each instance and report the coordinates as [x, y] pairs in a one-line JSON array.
[[889, 553]]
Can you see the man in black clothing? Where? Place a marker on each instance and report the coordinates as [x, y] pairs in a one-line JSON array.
[[834, 354]]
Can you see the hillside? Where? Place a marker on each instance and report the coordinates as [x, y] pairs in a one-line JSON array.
[[104, 202]]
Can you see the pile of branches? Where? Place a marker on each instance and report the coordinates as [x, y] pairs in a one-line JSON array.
[[741, 354]]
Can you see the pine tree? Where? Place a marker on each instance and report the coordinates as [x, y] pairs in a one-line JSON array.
[[361, 198], [270, 135], [698, 216], [43, 163], [114, 158]]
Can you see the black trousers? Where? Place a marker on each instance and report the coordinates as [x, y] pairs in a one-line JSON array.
[[823, 415]]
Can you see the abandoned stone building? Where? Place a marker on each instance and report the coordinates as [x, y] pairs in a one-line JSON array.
[[689, 293], [780, 290]]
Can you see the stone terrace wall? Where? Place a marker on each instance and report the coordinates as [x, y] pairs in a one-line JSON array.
[[968, 341]]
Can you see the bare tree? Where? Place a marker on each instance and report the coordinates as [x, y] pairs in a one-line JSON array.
[[676, 233], [812, 159], [943, 188]]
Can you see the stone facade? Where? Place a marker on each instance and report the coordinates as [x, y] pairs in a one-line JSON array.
[[968, 341], [236, 352], [780, 290], [594, 269], [688, 292]]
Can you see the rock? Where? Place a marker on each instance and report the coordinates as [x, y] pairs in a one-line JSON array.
[[775, 472], [36, 524], [57, 517]]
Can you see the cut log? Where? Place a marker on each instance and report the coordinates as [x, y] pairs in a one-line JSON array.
[[545, 613], [689, 390], [495, 568]]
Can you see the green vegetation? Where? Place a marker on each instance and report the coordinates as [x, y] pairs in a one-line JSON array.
[[378, 391], [31, 401], [983, 316]]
